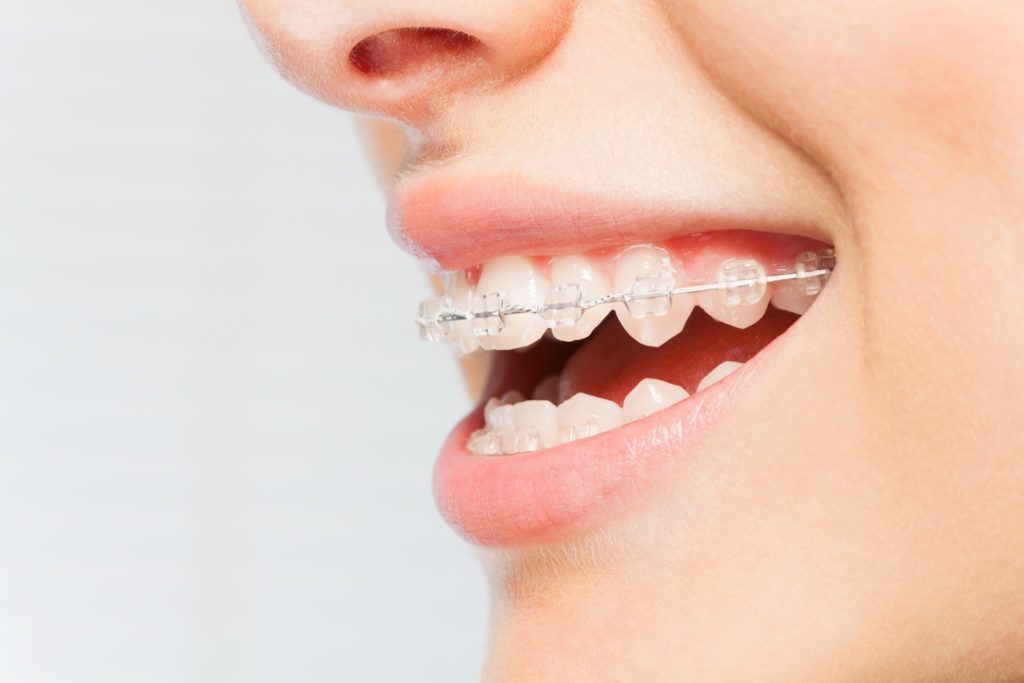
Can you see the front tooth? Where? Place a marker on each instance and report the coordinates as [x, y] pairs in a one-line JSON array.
[[718, 374], [650, 396], [484, 442], [739, 305], [644, 270], [584, 415], [514, 281], [567, 271], [498, 416], [459, 296], [536, 426]]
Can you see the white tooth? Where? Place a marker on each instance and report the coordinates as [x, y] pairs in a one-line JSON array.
[[460, 295], [718, 374], [536, 425], [650, 396], [652, 330], [593, 285], [484, 442], [741, 315], [520, 284], [584, 415], [499, 417], [500, 425], [787, 297], [547, 390]]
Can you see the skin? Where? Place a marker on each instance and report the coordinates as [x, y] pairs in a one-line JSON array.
[[868, 523]]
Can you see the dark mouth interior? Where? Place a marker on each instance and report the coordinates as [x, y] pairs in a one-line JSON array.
[[609, 363]]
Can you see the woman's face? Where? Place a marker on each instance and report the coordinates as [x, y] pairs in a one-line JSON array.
[[851, 504]]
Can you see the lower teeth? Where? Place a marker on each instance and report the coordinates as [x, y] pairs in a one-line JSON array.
[[514, 425]]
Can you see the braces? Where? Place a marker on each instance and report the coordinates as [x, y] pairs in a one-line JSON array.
[[740, 281]]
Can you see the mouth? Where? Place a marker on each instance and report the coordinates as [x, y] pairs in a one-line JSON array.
[[607, 365]]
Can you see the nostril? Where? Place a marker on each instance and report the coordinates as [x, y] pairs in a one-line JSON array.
[[407, 50]]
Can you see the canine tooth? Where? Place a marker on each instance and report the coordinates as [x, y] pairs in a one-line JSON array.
[[577, 270], [459, 297], [649, 396], [547, 390], [742, 299], [505, 281], [537, 418], [651, 315], [585, 415], [722, 371]]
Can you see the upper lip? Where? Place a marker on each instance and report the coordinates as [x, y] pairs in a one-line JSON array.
[[453, 223]]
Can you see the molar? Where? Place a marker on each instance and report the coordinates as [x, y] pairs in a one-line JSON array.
[[737, 305], [789, 296], [509, 280], [649, 273], [585, 415], [649, 396], [796, 296], [721, 371], [566, 271]]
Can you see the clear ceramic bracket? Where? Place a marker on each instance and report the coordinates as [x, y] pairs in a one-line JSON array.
[[738, 281]]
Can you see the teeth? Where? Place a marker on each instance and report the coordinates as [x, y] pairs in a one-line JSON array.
[[789, 296], [536, 427], [498, 416], [504, 281], [484, 442], [459, 297], [514, 425], [572, 276], [650, 315], [743, 298], [797, 296], [718, 374], [650, 396], [584, 415]]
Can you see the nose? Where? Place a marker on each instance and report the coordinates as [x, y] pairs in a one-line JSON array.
[[403, 58]]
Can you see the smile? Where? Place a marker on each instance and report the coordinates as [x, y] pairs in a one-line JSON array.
[[605, 365]]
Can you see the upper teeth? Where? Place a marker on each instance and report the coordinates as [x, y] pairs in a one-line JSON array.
[[515, 301]]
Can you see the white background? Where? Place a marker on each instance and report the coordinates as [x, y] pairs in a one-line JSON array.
[[217, 426]]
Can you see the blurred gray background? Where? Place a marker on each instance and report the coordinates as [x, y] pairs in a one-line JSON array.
[[214, 458]]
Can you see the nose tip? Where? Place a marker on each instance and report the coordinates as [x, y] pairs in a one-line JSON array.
[[400, 58]]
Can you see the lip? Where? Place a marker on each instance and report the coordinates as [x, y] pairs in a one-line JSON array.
[[531, 498], [452, 222]]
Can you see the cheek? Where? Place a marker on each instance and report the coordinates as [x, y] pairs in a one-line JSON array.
[[853, 84]]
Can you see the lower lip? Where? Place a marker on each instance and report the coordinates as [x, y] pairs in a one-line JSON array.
[[531, 498]]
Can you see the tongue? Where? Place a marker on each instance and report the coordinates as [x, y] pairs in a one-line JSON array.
[[610, 362]]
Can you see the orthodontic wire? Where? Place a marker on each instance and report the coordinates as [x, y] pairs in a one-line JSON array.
[[455, 316]]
